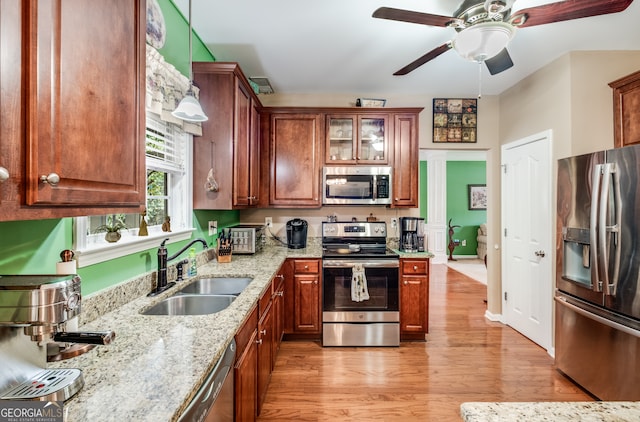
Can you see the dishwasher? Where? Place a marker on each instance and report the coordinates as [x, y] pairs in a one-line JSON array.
[[214, 400]]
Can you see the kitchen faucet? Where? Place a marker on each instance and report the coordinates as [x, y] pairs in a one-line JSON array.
[[163, 259]]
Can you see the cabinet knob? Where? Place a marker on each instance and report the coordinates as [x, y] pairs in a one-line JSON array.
[[306, 267], [4, 174], [415, 268], [280, 293], [315, 281], [406, 282], [263, 332], [259, 341], [52, 179], [280, 276]]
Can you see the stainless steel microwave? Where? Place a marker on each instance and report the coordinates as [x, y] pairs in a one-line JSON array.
[[356, 185]]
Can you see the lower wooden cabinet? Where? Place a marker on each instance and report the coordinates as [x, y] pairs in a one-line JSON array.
[[278, 314], [414, 299], [246, 369], [265, 343]]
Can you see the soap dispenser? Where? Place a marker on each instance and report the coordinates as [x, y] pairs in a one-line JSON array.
[[193, 269]]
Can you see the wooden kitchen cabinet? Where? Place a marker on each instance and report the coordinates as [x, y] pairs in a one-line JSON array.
[[74, 111], [357, 139], [265, 352], [406, 150], [626, 106], [278, 314], [414, 298], [246, 369], [230, 141], [307, 296], [295, 159]]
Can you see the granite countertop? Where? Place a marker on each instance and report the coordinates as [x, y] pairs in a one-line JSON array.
[[156, 364], [550, 411]]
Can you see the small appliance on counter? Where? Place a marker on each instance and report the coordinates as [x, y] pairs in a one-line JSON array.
[[411, 234], [35, 313], [297, 233], [247, 238]]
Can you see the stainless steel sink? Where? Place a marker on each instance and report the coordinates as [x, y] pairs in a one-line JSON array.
[[191, 305], [217, 286]]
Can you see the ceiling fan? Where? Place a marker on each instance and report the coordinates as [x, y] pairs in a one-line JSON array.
[[486, 27]]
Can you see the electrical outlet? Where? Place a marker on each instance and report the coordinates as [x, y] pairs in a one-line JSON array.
[[394, 223], [213, 228], [268, 221], [464, 242]]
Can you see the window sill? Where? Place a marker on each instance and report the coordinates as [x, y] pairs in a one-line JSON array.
[[128, 245]]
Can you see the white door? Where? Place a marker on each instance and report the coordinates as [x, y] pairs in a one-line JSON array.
[[527, 280]]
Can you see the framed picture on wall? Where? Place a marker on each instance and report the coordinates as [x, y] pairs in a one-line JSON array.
[[477, 197], [455, 120]]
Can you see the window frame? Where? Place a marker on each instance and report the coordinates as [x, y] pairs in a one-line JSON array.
[[180, 210]]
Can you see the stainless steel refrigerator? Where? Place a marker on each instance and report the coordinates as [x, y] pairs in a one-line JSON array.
[[598, 272]]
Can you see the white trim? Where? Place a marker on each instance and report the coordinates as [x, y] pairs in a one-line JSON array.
[[493, 317], [126, 246]]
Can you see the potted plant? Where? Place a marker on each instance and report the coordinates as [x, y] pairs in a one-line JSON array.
[[112, 230]]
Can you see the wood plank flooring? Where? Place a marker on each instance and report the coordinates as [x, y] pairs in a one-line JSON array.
[[466, 358]]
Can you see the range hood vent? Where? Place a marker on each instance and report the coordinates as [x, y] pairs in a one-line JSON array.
[[264, 86]]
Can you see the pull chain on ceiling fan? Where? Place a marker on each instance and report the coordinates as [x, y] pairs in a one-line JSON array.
[[485, 28]]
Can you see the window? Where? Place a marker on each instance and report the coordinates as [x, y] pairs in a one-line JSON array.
[[168, 149]]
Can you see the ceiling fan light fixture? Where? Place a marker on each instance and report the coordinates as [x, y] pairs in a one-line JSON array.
[[484, 40]]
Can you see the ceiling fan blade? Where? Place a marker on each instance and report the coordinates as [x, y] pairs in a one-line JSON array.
[[422, 60], [412, 17], [568, 10], [499, 63]]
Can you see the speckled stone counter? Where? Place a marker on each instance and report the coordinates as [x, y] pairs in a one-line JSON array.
[[550, 411], [157, 363], [418, 255]]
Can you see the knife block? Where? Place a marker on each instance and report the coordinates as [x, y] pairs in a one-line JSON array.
[[224, 252]]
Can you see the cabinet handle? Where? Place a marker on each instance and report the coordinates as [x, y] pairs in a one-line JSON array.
[[415, 268], [397, 199], [52, 179], [406, 282], [259, 341], [4, 174], [281, 293], [280, 276], [263, 332], [315, 281], [306, 267]]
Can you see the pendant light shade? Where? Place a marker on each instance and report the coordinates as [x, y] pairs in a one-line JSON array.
[[189, 108]]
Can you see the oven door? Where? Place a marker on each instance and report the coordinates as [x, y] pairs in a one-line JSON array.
[[381, 277]]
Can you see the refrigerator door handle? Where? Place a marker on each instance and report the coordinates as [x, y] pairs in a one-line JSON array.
[[605, 321], [602, 226], [615, 229], [593, 228]]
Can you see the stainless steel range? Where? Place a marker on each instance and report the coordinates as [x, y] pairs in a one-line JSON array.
[[360, 305]]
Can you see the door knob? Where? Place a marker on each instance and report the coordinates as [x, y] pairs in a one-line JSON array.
[[540, 254]]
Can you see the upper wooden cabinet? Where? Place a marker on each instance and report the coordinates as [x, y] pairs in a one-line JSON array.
[[230, 142], [357, 139], [72, 116], [626, 110], [406, 149], [295, 160]]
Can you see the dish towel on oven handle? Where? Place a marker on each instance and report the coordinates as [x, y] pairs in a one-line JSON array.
[[359, 289]]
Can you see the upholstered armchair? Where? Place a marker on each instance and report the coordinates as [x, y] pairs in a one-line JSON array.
[[482, 241]]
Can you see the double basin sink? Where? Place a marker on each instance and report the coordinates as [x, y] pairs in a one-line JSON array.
[[202, 297]]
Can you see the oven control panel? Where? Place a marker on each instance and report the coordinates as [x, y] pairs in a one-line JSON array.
[[354, 229]]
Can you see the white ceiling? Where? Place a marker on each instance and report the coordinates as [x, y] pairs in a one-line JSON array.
[[335, 46]]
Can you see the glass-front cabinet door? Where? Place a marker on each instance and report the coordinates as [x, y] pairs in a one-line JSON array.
[[341, 147], [357, 139], [373, 141]]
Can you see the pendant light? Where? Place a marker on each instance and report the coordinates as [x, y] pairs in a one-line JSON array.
[[189, 108]]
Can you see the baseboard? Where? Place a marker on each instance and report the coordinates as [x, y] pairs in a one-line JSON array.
[[492, 317], [463, 257]]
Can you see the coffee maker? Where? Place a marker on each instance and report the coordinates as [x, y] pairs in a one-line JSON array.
[[37, 318], [297, 234], [411, 234]]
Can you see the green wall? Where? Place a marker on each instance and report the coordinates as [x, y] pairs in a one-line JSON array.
[[33, 247], [460, 174]]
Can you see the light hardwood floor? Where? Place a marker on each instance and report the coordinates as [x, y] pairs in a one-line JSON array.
[[466, 358]]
